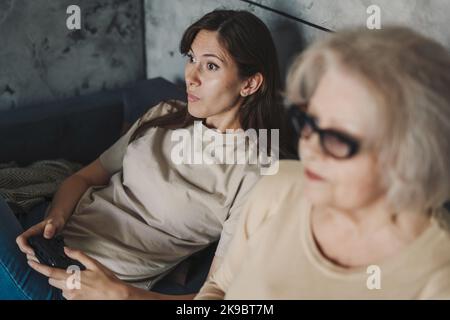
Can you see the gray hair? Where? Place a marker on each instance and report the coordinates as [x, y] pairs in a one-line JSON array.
[[409, 76]]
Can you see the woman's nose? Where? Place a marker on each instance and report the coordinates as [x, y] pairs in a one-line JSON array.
[[192, 76], [309, 148]]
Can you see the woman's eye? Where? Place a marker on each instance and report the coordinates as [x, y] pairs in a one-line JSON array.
[[212, 67]]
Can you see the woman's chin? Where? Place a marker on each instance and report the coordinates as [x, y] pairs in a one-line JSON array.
[[195, 111]]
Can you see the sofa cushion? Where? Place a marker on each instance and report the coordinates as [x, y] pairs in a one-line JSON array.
[[77, 129]]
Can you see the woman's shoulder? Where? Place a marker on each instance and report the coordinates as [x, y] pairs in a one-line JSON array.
[[271, 190], [273, 194], [163, 108], [288, 175]]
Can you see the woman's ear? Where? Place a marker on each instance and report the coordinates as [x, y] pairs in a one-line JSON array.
[[252, 84]]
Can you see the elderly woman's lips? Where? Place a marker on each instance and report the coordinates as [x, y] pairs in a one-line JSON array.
[[313, 176], [192, 98]]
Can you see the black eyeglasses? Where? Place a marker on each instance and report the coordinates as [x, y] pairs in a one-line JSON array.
[[336, 144]]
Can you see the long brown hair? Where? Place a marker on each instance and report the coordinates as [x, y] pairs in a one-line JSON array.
[[249, 42]]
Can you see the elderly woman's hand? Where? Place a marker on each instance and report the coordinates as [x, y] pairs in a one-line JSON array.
[[96, 282]]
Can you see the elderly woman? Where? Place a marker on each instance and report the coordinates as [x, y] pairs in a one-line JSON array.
[[361, 216]]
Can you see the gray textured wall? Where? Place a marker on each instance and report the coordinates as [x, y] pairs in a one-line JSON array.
[[167, 19], [41, 60]]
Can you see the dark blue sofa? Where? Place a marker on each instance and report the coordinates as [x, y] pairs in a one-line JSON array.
[[79, 129]]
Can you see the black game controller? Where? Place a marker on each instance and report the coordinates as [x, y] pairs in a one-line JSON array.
[[51, 252]]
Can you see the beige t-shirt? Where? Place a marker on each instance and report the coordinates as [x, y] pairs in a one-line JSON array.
[[154, 212], [273, 255]]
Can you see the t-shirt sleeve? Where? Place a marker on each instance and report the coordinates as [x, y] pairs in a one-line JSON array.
[[230, 224], [112, 158]]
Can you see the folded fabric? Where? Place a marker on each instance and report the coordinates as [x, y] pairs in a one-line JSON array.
[[25, 187]]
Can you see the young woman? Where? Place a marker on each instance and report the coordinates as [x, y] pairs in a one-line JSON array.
[[133, 214], [361, 216]]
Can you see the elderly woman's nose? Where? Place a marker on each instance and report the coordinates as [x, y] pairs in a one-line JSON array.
[[310, 148]]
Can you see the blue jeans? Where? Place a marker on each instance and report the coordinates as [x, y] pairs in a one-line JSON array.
[[17, 280]]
